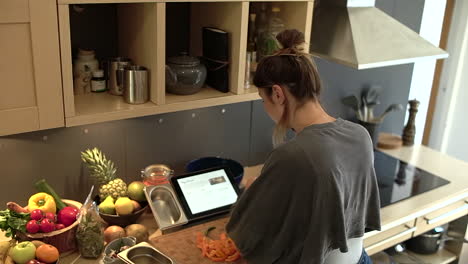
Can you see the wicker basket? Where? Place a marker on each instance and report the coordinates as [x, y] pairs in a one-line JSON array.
[[63, 239]]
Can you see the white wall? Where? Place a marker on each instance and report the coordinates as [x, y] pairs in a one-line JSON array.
[[423, 71], [450, 124]]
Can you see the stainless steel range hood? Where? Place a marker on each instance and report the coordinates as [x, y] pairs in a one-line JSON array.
[[357, 34]]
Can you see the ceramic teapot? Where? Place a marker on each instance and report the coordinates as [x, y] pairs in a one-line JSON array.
[[184, 75]]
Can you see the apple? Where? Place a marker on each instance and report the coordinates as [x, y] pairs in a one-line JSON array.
[[59, 226], [23, 252], [51, 216], [34, 261], [47, 225], [32, 227], [37, 215]]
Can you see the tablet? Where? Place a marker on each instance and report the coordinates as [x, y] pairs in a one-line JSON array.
[[206, 192]]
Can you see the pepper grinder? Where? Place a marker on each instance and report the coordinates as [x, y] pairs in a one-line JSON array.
[[410, 129]]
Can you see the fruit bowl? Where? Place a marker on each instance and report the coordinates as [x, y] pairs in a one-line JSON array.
[[63, 239], [124, 220]]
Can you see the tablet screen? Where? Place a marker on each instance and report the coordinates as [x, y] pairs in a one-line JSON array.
[[207, 191]]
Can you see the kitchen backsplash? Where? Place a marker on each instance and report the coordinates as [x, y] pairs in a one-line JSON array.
[[241, 132]]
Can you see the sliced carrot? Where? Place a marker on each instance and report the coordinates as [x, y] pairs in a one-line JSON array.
[[233, 257]]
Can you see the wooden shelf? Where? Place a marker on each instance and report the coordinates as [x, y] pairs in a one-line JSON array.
[[70, 2], [101, 107], [141, 28], [442, 256], [205, 93]]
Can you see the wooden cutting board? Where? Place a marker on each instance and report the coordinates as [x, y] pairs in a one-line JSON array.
[[181, 245]]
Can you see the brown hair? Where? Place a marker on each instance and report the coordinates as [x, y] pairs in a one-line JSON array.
[[292, 69]]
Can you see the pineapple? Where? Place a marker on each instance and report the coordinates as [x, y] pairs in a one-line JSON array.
[[103, 171]]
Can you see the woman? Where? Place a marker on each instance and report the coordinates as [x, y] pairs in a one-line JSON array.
[[317, 193]]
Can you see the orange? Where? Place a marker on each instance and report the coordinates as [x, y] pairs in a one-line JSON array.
[[47, 253]]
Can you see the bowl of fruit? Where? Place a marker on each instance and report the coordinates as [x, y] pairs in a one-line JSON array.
[[122, 211], [47, 218], [33, 252], [119, 204], [55, 229]]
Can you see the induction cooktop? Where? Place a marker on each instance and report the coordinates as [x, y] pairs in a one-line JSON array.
[[399, 180]]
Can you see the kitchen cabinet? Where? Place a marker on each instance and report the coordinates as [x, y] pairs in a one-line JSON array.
[[441, 216], [377, 241], [142, 29], [31, 91], [446, 205]]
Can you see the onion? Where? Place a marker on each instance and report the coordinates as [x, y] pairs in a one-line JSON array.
[[113, 232]]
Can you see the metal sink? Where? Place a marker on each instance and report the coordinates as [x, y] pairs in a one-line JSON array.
[[144, 253], [165, 206]]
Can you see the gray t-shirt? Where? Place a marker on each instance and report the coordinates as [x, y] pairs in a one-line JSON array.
[[314, 192]]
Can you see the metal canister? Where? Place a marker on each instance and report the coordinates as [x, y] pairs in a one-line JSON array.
[[115, 77], [136, 84]]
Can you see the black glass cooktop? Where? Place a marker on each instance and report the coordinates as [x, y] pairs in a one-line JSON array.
[[398, 180]]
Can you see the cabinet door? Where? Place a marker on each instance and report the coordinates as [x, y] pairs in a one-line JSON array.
[[377, 241], [30, 87]]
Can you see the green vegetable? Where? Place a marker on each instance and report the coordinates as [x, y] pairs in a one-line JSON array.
[[11, 222], [42, 186], [209, 229]]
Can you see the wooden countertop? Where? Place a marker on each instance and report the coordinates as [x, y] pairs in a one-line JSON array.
[[425, 158], [449, 168]]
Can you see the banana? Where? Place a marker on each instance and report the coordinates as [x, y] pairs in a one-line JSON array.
[[4, 246]]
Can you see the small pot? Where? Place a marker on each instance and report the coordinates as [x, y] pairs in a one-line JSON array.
[[427, 243], [185, 75]]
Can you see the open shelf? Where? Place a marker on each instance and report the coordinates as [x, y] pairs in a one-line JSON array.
[[102, 107], [148, 32], [205, 93], [442, 256], [69, 2]]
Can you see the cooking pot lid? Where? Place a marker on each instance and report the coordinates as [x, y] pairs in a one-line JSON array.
[[184, 59]]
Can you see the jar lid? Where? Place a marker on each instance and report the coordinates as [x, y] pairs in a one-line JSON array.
[[98, 73], [85, 52], [184, 59]]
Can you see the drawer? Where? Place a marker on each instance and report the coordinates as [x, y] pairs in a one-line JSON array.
[[441, 216], [387, 238]]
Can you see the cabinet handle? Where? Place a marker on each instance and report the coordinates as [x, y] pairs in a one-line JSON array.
[[409, 230], [446, 215]]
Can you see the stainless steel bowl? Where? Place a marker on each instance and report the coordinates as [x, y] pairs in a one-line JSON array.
[[166, 209], [144, 253]]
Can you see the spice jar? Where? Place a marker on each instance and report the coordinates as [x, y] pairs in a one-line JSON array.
[[98, 82]]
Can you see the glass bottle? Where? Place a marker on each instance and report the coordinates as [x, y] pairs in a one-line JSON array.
[[251, 42], [269, 43], [261, 27]]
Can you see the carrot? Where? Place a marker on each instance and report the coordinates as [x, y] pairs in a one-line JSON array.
[[233, 257], [16, 207], [222, 249]]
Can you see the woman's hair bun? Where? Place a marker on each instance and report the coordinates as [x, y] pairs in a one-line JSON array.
[[291, 38]]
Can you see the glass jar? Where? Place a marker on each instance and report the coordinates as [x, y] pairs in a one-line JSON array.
[[156, 174], [83, 66]]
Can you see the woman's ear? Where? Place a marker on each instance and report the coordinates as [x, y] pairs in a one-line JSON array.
[[278, 96]]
